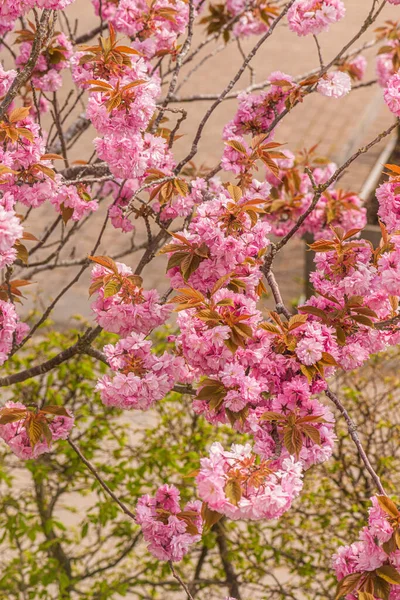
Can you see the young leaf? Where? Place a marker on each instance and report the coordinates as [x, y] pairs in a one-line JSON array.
[[388, 506], [106, 262], [348, 584], [210, 517], [35, 430], [111, 288], [55, 410], [233, 491], [389, 574]]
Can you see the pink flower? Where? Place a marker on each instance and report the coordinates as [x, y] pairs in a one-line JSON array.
[[388, 197], [314, 16], [132, 309], [10, 328], [10, 231], [266, 496], [391, 94], [6, 79], [16, 437], [334, 85], [309, 351], [142, 377], [168, 534]]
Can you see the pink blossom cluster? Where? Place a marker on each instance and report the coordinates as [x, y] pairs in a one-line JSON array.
[[130, 156], [307, 17], [30, 177], [264, 380], [155, 26], [141, 377], [373, 551], [292, 193], [169, 531], [248, 20], [10, 231], [76, 199], [388, 195], [354, 291], [391, 94], [138, 106], [233, 244], [256, 112], [205, 344], [11, 329], [234, 484], [11, 10], [16, 436], [126, 145], [296, 405], [47, 71], [132, 309]]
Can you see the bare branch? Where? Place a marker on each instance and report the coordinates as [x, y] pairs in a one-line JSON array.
[[354, 436], [103, 484]]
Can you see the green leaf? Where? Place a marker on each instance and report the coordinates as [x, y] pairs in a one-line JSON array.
[[111, 288]]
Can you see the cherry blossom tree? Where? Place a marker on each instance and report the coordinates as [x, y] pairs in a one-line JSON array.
[[265, 375]]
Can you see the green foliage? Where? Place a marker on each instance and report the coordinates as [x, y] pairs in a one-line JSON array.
[[62, 537]]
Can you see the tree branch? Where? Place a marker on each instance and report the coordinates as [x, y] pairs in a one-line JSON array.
[[354, 436], [24, 75], [101, 481]]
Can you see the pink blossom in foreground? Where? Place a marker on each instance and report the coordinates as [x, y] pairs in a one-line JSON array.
[[371, 552], [391, 94], [169, 531], [334, 85], [75, 199], [388, 195], [10, 231], [16, 437], [6, 79], [130, 309], [234, 484], [141, 377], [10, 328], [314, 16]]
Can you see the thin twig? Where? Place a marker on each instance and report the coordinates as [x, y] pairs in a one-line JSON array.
[[354, 436], [230, 85], [180, 580], [103, 484]]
